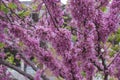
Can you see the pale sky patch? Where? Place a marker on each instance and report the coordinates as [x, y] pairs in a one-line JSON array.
[[63, 1]]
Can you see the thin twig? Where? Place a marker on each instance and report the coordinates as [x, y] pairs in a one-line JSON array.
[[28, 62], [113, 59], [54, 22]]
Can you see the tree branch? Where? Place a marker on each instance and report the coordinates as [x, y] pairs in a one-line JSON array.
[[99, 55], [16, 69], [98, 67], [32, 65], [53, 20], [28, 62]]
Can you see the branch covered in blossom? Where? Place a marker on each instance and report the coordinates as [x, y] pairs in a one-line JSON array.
[[77, 56]]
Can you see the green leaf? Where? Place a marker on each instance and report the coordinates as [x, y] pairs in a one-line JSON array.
[[112, 53], [23, 5], [12, 5], [115, 48], [34, 7], [21, 44], [118, 32], [117, 38], [67, 27], [26, 13], [74, 38], [111, 79], [83, 73], [23, 13], [10, 59], [5, 30], [104, 9], [110, 38], [3, 8], [2, 45], [65, 17]]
